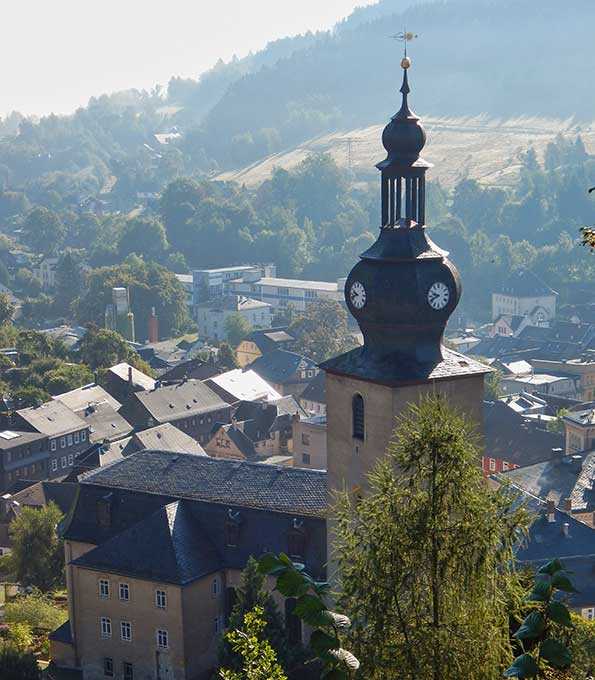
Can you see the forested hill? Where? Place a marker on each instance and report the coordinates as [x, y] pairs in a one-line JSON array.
[[505, 58]]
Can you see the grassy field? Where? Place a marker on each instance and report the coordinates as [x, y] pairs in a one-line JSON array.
[[480, 148]]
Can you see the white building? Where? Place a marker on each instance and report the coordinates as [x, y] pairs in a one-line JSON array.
[[211, 283], [542, 383], [187, 281], [288, 292], [212, 315], [523, 294], [45, 272]]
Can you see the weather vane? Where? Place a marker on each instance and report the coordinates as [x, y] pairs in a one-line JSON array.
[[405, 37]]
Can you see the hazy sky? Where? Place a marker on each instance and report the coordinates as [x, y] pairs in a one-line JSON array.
[[56, 54]]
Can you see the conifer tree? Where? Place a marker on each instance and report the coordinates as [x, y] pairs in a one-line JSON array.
[[250, 594], [424, 557]]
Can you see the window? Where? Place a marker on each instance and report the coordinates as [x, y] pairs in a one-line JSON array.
[[62, 442], [357, 414], [162, 638], [124, 592], [296, 543], [305, 439], [588, 613], [128, 672], [215, 587], [306, 458], [160, 599], [77, 437], [53, 444], [63, 461], [69, 440], [108, 667], [505, 466], [84, 436], [103, 587], [106, 627], [232, 533], [126, 631], [70, 458], [492, 465]]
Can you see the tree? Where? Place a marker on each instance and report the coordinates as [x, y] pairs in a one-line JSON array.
[[557, 424], [102, 348], [67, 377], [428, 591], [259, 661], [6, 310], [17, 665], [32, 345], [236, 328], [25, 397], [322, 332], [44, 231], [68, 282], [493, 385], [250, 594], [38, 552], [36, 610], [582, 647], [144, 236], [226, 357]]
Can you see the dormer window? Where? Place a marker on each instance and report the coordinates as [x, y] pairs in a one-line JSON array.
[[232, 529], [104, 511], [357, 416], [296, 540]]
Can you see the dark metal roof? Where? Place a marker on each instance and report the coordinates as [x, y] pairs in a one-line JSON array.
[[396, 369], [281, 489], [270, 338], [104, 422], [181, 400], [316, 389], [167, 546], [280, 366]]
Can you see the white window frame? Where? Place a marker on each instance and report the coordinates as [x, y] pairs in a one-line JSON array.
[[63, 461], [492, 464], [104, 588], [71, 459], [77, 437], [160, 599], [83, 435], [126, 626], [69, 440], [62, 442], [54, 464], [106, 627], [124, 589], [162, 638], [505, 466], [53, 444]]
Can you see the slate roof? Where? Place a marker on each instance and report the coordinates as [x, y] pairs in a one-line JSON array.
[[182, 399], [270, 338], [20, 439], [52, 418], [241, 385], [560, 478], [281, 366], [584, 418], [104, 422], [244, 444], [509, 437], [316, 389], [190, 369], [41, 494], [525, 283], [398, 370], [85, 395], [512, 320], [167, 437], [300, 491], [260, 418], [166, 547]]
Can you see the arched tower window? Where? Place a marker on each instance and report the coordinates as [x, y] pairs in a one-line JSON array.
[[357, 416]]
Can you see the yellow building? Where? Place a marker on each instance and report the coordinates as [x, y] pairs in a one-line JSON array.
[[259, 343], [583, 367]]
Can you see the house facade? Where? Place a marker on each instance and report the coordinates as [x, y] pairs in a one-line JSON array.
[[212, 315], [524, 294]]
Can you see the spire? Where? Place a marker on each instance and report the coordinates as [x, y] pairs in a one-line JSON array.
[[405, 111]]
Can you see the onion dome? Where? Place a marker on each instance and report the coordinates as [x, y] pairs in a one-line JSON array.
[[403, 137]]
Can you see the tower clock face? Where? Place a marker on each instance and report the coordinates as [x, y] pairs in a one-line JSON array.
[[357, 294], [438, 295]]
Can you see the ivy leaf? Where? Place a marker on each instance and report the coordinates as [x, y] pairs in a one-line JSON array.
[[558, 613], [524, 666], [541, 592], [321, 642], [309, 608], [562, 582], [268, 562], [556, 653], [290, 583], [532, 627], [551, 567]]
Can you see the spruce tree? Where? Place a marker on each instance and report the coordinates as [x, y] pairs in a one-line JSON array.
[[252, 593], [68, 282], [424, 557]]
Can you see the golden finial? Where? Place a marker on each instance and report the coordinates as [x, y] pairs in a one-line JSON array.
[[405, 37]]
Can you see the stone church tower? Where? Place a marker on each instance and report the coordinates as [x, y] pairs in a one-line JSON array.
[[402, 293]]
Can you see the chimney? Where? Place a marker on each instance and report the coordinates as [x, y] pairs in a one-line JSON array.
[[568, 505], [130, 386], [234, 423], [153, 327], [551, 510], [557, 454], [565, 528]]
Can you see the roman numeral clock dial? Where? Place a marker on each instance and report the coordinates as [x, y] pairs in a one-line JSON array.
[[438, 295], [357, 294]]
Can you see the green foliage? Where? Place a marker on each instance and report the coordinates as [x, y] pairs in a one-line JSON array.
[[38, 553], [582, 647], [326, 641], [35, 610], [102, 348], [44, 231], [17, 665], [535, 636], [493, 385], [144, 236], [321, 331], [226, 357], [33, 345], [252, 594], [557, 425], [21, 636], [259, 661], [68, 282], [25, 397], [449, 549], [236, 328], [6, 309]]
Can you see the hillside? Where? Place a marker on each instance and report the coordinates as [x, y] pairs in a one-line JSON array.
[[477, 148]]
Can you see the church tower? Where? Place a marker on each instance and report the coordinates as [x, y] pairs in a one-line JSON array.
[[402, 293]]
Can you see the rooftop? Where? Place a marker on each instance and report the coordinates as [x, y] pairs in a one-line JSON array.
[[182, 399], [245, 385], [11, 438], [52, 418], [139, 378], [584, 418], [104, 422], [168, 437], [280, 366], [525, 283], [85, 395], [278, 489], [296, 283]]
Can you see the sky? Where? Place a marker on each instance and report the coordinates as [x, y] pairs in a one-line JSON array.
[[57, 54]]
